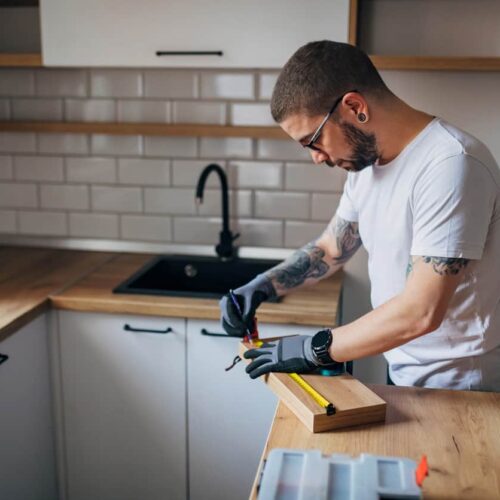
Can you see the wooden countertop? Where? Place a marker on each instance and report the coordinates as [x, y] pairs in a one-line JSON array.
[[457, 430], [31, 279], [29, 275], [313, 306]]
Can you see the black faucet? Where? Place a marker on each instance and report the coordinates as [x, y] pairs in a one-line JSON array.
[[225, 248]]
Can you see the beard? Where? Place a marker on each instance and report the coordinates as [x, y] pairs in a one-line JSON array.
[[364, 147]]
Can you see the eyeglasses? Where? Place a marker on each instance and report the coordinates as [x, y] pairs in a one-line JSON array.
[[317, 134]]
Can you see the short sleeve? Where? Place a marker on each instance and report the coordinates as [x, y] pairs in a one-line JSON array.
[[346, 209], [452, 203]]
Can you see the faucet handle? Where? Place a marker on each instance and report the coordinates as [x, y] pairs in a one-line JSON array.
[[236, 236]]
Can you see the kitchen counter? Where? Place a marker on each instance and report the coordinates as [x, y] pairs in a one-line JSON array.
[[28, 276], [312, 306], [32, 279], [457, 430]]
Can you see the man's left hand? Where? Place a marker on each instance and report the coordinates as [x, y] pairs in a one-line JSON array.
[[289, 354]]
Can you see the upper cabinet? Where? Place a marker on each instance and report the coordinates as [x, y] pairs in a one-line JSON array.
[[185, 33]]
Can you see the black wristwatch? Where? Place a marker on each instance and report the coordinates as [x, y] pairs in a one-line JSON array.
[[320, 344]]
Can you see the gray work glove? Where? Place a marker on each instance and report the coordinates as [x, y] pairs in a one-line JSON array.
[[289, 355], [249, 297]]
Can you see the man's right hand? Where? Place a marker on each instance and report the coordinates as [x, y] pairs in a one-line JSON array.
[[249, 297]]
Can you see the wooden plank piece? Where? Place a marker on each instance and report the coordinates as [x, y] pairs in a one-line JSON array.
[[355, 403]]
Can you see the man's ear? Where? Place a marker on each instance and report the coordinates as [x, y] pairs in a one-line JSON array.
[[355, 106]]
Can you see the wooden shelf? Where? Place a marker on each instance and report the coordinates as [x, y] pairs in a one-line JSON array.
[[437, 63], [21, 59], [181, 130]]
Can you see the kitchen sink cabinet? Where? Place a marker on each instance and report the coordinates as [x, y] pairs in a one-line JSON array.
[[229, 415], [123, 399], [192, 33], [27, 453]]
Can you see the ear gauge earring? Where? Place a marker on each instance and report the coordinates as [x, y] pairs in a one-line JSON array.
[[362, 117]]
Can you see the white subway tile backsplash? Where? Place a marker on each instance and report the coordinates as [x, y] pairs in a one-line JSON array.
[[240, 203], [85, 225], [267, 81], [324, 206], [278, 149], [246, 174], [63, 143], [169, 201], [227, 85], [58, 82], [90, 110], [228, 147], [15, 82], [17, 142], [170, 146], [146, 228], [4, 109], [197, 230], [115, 83], [213, 113], [310, 177], [276, 205], [38, 168], [143, 111], [43, 223], [18, 195], [297, 234], [37, 109], [145, 172], [7, 221], [64, 196], [260, 233], [170, 83], [187, 172], [6, 170], [116, 145], [91, 170], [116, 199], [251, 114]]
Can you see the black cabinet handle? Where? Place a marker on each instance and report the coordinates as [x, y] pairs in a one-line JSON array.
[[189, 53], [3, 358], [204, 331], [129, 328]]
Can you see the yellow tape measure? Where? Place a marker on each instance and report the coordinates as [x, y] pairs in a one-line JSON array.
[[323, 402]]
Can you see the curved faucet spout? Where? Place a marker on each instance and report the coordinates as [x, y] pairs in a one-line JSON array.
[[225, 247]]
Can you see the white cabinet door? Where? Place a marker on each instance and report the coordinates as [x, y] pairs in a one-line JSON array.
[[229, 414], [124, 406], [27, 453], [249, 33]]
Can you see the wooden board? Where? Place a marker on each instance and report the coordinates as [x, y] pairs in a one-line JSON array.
[[355, 403]]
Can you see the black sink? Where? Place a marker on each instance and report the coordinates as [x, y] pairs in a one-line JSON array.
[[186, 276]]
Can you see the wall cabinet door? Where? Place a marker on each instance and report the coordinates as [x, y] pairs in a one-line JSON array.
[[229, 414], [124, 406], [27, 454], [249, 33]]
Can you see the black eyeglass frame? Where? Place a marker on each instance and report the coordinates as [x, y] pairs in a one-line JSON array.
[[316, 135]]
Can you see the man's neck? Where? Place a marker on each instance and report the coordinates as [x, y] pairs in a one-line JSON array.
[[398, 124]]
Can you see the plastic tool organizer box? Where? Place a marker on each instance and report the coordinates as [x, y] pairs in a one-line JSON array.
[[309, 475]]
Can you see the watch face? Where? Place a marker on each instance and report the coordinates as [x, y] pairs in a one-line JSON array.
[[321, 339]]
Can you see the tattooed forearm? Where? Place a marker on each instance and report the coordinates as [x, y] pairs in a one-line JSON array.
[[303, 264], [446, 265], [347, 238]]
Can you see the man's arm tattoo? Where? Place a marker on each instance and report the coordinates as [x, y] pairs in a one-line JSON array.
[[304, 263], [444, 266], [347, 238]]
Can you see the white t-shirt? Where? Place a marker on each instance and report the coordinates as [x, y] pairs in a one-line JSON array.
[[440, 198]]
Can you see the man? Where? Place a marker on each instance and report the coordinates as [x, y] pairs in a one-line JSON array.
[[423, 197]]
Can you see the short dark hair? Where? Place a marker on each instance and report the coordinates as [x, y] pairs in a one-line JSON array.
[[320, 72]]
